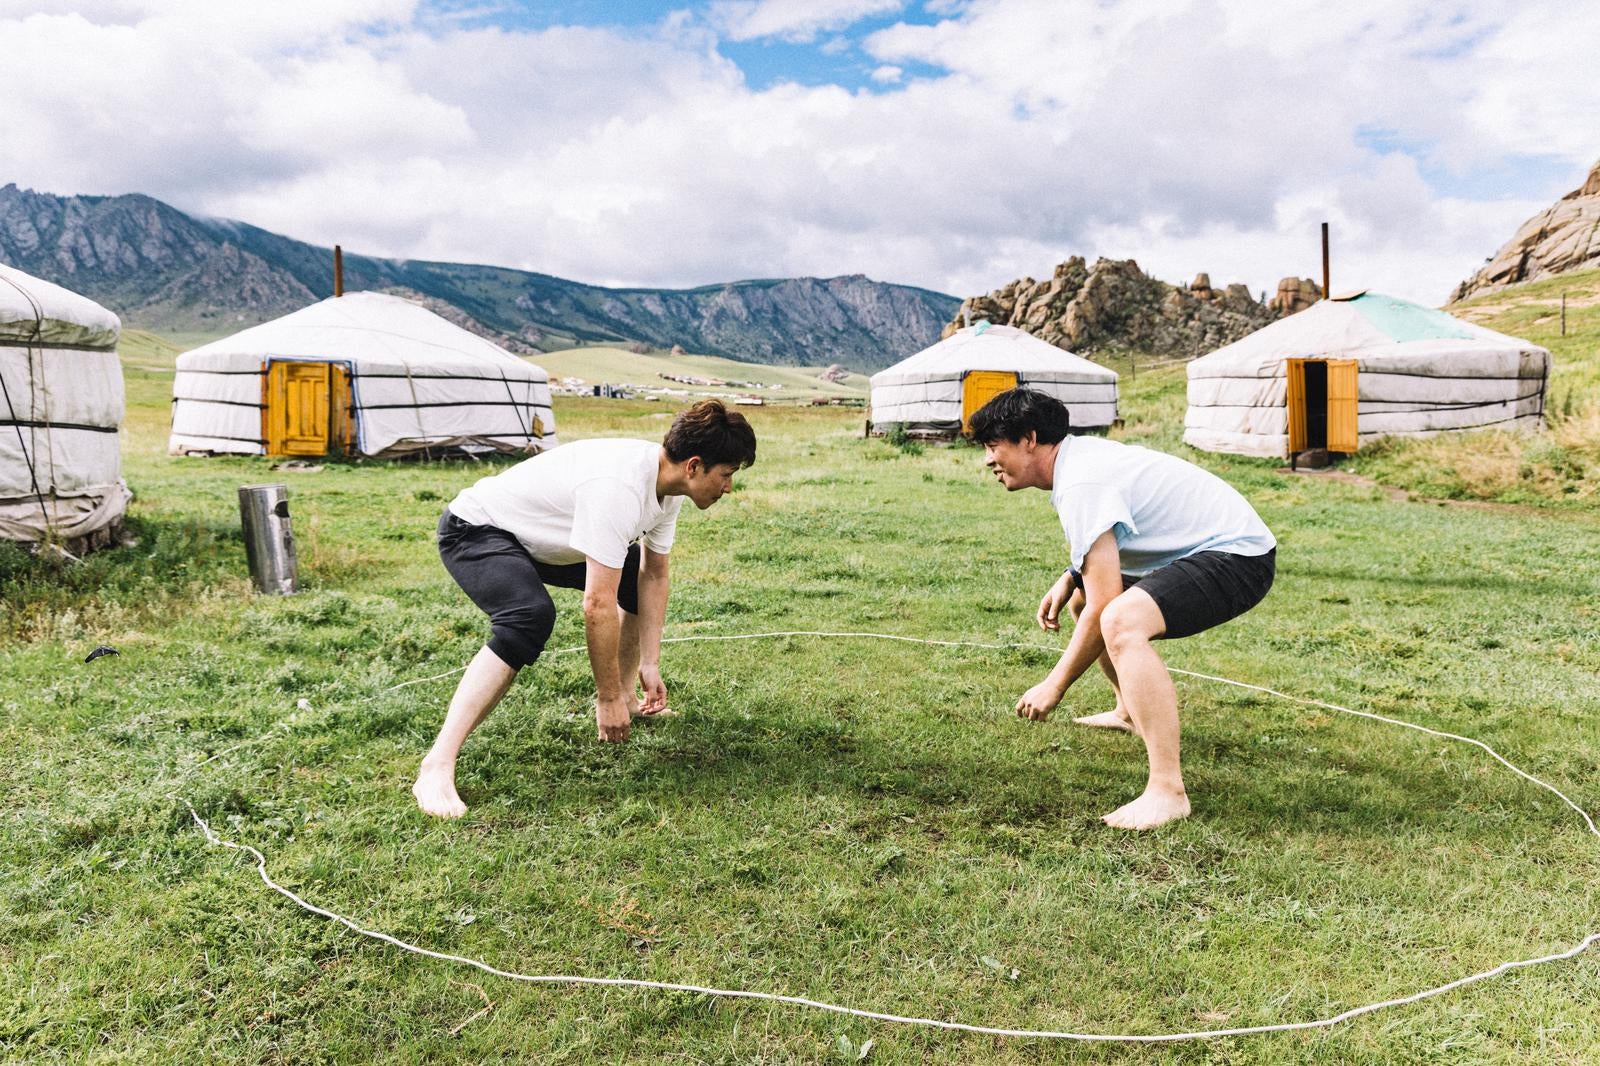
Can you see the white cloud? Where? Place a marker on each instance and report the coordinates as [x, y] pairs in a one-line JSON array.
[[792, 20], [1190, 135]]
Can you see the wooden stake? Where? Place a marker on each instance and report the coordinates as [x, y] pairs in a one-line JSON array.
[[1563, 314], [338, 271], [1326, 292]]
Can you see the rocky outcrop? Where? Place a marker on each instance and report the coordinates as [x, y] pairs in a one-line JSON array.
[[1562, 238], [162, 269], [1114, 305]]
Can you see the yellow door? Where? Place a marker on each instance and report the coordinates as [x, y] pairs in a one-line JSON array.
[[981, 386], [1343, 399], [1296, 399], [299, 408]]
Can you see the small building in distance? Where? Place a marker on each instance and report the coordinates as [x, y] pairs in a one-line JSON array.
[[361, 374], [1356, 367], [935, 392]]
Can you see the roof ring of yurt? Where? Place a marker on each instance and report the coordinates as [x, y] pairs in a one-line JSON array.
[[61, 403], [364, 373], [1356, 367], [934, 393]]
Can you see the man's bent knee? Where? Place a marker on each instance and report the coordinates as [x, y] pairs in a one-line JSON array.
[[1130, 620], [519, 636]]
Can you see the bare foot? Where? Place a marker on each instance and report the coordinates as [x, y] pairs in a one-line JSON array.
[[665, 712], [436, 792], [1150, 810], [1113, 719]]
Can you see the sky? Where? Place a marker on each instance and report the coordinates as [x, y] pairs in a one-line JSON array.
[[950, 144]]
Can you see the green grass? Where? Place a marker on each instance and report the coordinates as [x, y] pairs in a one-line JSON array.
[[601, 364], [853, 821]]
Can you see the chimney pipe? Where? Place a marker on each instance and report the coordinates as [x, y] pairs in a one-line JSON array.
[[1326, 292], [338, 267]]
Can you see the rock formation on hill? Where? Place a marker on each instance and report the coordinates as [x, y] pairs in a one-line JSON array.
[[1561, 238], [1115, 305]]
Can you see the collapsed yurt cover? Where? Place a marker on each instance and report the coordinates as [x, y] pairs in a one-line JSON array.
[[362, 374], [1380, 364], [937, 390], [61, 402]]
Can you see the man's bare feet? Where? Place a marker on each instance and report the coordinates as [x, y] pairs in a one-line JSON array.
[[1113, 719], [435, 791], [1149, 810]]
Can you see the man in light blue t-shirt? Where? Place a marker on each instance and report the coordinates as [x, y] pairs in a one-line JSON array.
[[1159, 549]]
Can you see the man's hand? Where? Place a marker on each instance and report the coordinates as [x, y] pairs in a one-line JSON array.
[[654, 689], [611, 716], [1039, 701], [1049, 616]]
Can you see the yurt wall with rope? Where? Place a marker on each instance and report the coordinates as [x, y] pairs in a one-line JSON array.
[[61, 403]]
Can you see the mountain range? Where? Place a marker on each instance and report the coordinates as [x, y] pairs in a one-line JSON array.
[[162, 269]]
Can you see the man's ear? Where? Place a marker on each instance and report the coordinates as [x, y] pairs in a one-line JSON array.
[[693, 465], [1031, 441]]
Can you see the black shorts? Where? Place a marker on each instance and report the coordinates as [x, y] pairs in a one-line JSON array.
[[1206, 589], [494, 569]]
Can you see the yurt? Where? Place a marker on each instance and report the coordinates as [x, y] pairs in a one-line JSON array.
[[61, 402], [935, 392], [360, 374], [1356, 367]]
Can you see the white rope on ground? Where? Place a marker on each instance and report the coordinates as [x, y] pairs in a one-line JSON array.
[[935, 1023]]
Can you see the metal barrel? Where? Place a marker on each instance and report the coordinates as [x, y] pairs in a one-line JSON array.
[[268, 538]]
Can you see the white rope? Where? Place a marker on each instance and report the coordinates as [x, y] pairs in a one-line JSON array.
[[935, 1023]]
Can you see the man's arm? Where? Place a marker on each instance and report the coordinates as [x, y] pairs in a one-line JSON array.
[[1102, 583], [654, 585], [603, 632]]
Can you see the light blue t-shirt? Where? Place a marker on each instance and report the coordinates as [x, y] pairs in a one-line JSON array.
[[1161, 507]]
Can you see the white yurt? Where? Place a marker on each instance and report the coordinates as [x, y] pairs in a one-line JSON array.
[[361, 374], [1360, 366], [935, 392], [61, 402]]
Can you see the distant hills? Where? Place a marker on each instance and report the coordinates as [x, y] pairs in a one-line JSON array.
[[164, 270]]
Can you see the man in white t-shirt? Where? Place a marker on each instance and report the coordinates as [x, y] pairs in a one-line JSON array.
[[1159, 548], [596, 515]]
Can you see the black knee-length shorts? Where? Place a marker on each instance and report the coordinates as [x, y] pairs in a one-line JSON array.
[[1205, 589], [496, 571]]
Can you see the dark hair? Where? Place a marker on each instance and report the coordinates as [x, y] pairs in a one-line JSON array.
[[1015, 413], [714, 433]]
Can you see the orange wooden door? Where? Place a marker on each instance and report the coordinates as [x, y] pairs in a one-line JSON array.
[[1344, 397], [1296, 399], [981, 386], [299, 407]]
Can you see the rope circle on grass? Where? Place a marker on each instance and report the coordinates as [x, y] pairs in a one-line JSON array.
[[936, 1023]]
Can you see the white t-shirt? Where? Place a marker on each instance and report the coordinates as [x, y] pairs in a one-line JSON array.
[[586, 498], [1161, 507]]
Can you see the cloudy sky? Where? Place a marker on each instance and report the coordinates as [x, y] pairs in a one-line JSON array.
[[953, 144]]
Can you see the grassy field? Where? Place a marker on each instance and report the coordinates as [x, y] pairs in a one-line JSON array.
[[859, 822], [616, 366]]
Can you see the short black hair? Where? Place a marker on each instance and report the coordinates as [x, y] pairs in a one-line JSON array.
[[714, 433], [1015, 413]]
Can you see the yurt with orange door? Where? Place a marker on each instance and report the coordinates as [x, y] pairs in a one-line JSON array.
[[1357, 367], [361, 374], [935, 392]]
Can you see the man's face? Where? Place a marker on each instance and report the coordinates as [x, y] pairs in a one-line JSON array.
[[1008, 460], [707, 484]]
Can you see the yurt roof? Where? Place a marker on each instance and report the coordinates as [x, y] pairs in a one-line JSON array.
[[988, 347], [33, 310], [364, 327], [1367, 324]]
